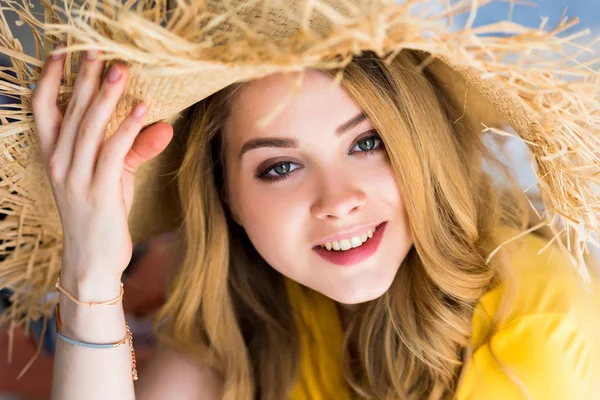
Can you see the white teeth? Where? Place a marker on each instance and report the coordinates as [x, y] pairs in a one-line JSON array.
[[347, 244], [355, 241]]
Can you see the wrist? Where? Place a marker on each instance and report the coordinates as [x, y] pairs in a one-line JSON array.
[[89, 289]]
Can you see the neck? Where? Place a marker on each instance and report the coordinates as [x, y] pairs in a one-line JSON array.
[[346, 311]]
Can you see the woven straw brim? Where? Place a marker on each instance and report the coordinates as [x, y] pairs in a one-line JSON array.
[[521, 76]]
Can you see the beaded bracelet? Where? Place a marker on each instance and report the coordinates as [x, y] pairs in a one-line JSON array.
[[128, 336]]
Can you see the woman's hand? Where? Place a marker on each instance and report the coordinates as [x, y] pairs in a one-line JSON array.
[[92, 179]]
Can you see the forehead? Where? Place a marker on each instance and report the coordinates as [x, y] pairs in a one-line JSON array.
[[310, 103]]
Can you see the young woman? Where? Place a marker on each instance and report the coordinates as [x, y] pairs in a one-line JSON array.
[[339, 248]]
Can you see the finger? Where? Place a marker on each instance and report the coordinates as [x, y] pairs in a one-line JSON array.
[[151, 142], [127, 149], [86, 87], [93, 127], [47, 116]]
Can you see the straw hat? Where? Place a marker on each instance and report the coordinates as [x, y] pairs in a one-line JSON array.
[[521, 77]]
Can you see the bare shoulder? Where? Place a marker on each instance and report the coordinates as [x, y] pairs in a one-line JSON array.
[[170, 374]]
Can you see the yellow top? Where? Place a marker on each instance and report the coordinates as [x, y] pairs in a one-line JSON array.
[[550, 340]]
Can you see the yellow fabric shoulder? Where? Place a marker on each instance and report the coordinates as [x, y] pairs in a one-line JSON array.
[[546, 347]]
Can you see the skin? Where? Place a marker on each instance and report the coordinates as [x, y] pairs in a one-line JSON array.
[[92, 183], [332, 187], [92, 179]]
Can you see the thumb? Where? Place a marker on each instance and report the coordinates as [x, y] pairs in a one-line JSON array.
[[148, 144]]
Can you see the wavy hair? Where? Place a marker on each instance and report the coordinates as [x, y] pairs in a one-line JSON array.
[[229, 309]]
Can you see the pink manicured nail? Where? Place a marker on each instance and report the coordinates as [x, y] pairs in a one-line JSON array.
[[113, 74], [139, 110]]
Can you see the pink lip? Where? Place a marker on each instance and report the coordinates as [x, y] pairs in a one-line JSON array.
[[348, 234], [355, 255]]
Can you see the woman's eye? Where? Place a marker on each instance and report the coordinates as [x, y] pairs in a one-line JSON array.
[[367, 144], [283, 168], [278, 171]]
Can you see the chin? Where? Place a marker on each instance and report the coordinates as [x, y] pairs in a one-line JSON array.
[[360, 293]]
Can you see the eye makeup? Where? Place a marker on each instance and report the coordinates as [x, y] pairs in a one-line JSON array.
[[368, 143]]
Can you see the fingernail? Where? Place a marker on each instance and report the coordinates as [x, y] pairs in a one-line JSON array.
[[113, 74], [57, 47], [90, 55], [139, 110]]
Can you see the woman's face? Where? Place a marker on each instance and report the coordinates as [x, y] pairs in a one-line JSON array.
[[314, 189]]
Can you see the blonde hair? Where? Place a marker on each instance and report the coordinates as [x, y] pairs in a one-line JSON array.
[[229, 309]]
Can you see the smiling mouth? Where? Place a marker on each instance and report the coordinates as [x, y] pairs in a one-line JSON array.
[[350, 243], [352, 255]]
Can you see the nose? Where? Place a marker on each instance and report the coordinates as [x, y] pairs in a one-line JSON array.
[[338, 197]]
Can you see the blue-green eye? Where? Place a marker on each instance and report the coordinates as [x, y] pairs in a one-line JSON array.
[[282, 169], [367, 144], [279, 170]]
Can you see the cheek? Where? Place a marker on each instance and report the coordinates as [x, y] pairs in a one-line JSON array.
[[272, 221], [381, 185]]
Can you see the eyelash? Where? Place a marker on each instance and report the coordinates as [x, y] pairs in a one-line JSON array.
[[263, 176]]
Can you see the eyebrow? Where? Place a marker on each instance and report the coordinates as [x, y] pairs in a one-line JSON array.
[[283, 142], [345, 127]]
